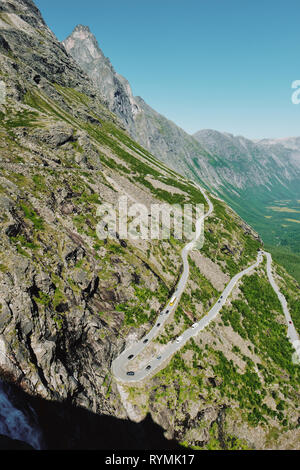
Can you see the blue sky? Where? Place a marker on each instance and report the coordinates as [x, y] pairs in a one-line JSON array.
[[221, 64]]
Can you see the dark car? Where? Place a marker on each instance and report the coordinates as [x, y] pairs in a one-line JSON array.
[[158, 324], [148, 367], [167, 312], [130, 357], [145, 341], [158, 358], [290, 322], [130, 373]]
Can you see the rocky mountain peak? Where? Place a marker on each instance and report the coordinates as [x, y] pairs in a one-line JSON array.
[[82, 45], [42, 58], [81, 27], [83, 40]]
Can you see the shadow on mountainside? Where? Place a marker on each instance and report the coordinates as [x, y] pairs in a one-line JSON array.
[[68, 427]]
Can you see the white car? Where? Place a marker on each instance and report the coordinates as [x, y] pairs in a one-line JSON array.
[[172, 301], [194, 325], [179, 339]]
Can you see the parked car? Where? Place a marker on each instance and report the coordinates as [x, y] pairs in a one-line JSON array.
[[130, 373], [145, 341], [130, 357], [195, 325], [148, 367], [179, 339]]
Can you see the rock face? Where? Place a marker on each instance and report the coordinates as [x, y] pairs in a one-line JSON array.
[[71, 302], [152, 130], [50, 330], [82, 45], [48, 62]]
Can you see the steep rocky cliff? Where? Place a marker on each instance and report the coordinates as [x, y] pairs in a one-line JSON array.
[[83, 46], [153, 131], [70, 302]]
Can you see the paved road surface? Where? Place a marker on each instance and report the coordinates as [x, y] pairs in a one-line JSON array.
[[292, 332], [121, 365]]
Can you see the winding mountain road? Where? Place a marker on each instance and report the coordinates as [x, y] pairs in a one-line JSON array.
[[292, 332], [121, 363]]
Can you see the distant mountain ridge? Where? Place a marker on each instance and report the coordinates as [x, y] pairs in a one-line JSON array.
[[261, 163]]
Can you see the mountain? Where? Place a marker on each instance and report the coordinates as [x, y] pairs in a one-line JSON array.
[[153, 131], [292, 143], [250, 176], [83, 45], [71, 302], [261, 181], [246, 164]]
